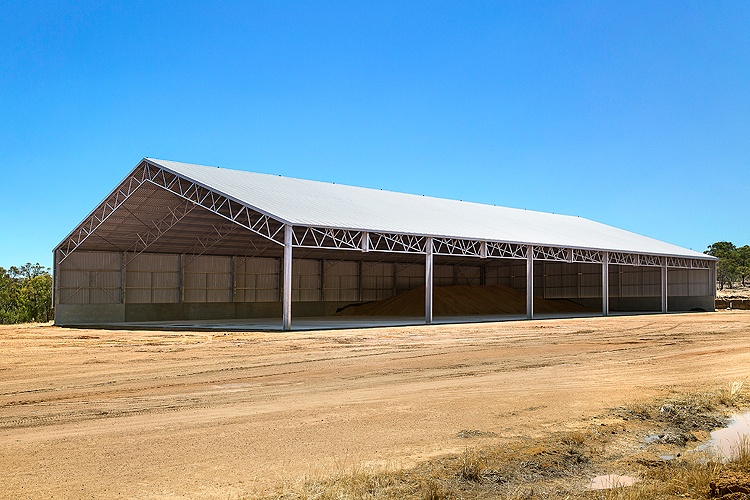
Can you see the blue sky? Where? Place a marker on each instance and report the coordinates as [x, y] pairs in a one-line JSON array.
[[634, 114]]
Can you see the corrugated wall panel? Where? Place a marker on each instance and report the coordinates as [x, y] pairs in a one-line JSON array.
[[699, 283], [518, 275], [377, 280], [257, 279], [305, 280], [208, 278], [467, 275], [442, 275], [678, 282], [91, 278], [340, 281], [153, 279], [409, 276], [499, 274], [640, 281]]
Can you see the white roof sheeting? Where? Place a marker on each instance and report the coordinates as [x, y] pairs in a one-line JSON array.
[[312, 203]]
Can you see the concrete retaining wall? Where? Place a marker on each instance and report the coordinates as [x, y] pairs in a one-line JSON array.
[[733, 304]]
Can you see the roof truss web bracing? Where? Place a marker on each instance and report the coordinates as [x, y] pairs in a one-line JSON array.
[[240, 215]]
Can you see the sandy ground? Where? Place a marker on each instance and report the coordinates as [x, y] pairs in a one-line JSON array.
[[738, 292], [103, 414]]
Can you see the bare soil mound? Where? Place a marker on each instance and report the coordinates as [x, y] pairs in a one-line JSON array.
[[461, 300]]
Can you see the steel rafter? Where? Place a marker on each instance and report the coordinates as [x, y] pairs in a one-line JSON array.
[[145, 240], [220, 205], [558, 254], [506, 250], [455, 246], [205, 244], [216, 203], [105, 209], [625, 259], [650, 260], [315, 237], [687, 263], [324, 238], [142, 242], [396, 243], [593, 256]]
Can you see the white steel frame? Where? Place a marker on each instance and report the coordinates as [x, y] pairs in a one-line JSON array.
[[284, 234]]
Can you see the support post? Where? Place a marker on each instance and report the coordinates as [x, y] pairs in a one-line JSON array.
[[428, 283], [530, 282], [664, 287], [286, 299], [605, 284]]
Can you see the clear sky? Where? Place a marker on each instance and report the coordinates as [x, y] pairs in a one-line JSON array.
[[634, 114]]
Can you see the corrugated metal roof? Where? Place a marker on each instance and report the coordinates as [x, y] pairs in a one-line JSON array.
[[321, 204]]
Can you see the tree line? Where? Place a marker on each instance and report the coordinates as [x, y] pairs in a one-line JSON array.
[[25, 294], [734, 263]]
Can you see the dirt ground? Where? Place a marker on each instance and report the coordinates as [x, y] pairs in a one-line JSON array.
[[136, 414], [738, 292]]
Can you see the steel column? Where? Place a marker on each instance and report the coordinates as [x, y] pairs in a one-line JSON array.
[[664, 286], [286, 300], [530, 282], [428, 282], [605, 284]]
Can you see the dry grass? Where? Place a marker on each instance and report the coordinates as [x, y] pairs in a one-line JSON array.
[[732, 395], [560, 466]]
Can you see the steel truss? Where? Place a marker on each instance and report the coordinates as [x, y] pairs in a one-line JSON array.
[[218, 204], [272, 229], [688, 263], [552, 253], [506, 250], [315, 237], [396, 243], [451, 246]]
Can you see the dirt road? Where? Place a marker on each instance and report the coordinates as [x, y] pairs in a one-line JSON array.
[[101, 414]]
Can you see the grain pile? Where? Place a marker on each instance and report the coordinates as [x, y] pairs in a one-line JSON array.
[[461, 300]]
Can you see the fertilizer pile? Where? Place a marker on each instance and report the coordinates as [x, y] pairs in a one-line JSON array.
[[461, 300]]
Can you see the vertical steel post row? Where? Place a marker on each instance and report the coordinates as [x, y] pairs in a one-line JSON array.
[[428, 282], [530, 282], [286, 302], [664, 286], [605, 284]]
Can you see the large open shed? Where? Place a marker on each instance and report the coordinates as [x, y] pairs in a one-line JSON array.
[[183, 242]]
